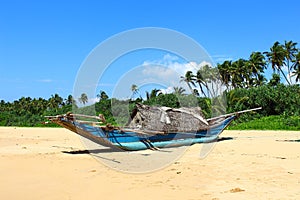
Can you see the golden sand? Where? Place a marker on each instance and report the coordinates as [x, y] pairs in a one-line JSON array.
[[35, 164]]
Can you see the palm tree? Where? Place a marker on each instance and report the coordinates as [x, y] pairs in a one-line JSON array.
[[69, 100], [55, 102], [276, 57], [297, 74], [83, 98], [224, 73], [239, 73], [233, 74], [296, 67], [178, 90], [289, 50], [201, 81], [134, 89], [40, 104], [102, 95], [152, 94], [51, 103], [211, 77], [275, 80], [257, 63], [189, 79], [195, 92], [256, 66], [2, 103], [260, 80]]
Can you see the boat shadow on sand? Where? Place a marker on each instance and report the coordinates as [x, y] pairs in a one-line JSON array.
[[288, 140]]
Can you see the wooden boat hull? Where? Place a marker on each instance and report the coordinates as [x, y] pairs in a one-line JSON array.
[[130, 140]]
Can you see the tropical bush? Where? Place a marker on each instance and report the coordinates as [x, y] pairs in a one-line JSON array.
[[244, 80]]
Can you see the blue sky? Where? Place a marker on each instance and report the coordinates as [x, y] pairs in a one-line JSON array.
[[44, 43]]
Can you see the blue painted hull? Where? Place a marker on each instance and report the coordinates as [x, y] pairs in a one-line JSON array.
[[134, 141]]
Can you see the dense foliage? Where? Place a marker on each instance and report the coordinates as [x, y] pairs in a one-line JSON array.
[[280, 107], [280, 103], [274, 122], [30, 112], [282, 59], [247, 87], [275, 100]]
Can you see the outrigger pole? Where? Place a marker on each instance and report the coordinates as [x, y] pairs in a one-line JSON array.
[[234, 113]]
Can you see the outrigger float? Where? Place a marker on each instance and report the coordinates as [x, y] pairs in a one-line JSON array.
[[150, 127]]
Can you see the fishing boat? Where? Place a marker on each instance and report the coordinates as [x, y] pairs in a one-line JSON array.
[[150, 128]]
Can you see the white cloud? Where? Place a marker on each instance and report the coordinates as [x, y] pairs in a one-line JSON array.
[[291, 77], [158, 71], [169, 71], [45, 80], [182, 68], [93, 100], [164, 74], [167, 90], [169, 66], [169, 58]]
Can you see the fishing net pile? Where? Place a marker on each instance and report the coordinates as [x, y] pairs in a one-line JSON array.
[[167, 120]]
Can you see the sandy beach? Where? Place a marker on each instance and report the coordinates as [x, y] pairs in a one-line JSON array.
[[51, 163]]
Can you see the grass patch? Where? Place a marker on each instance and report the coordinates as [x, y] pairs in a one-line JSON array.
[[276, 122]]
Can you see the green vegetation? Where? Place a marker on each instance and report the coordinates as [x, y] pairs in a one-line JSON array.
[[247, 87], [274, 122], [280, 104], [30, 112]]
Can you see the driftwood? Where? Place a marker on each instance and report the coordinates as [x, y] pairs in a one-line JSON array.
[[167, 120]]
